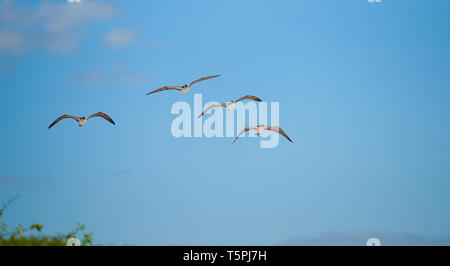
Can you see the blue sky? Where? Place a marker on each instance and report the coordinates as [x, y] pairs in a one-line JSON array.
[[363, 91]]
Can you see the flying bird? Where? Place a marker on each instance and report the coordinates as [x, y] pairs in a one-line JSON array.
[[82, 120], [260, 128], [229, 105], [183, 88]]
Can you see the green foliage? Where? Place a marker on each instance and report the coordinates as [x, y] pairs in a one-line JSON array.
[[33, 236]]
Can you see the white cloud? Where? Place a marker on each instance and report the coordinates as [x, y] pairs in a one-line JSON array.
[[52, 25], [117, 74], [118, 38], [59, 18], [12, 42], [387, 238]]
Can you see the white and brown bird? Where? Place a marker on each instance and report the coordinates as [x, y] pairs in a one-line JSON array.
[[260, 128], [183, 88], [82, 120], [229, 105]]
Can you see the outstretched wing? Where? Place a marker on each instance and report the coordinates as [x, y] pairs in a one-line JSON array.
[[250, 97], [279, 130], [204, 78], [210, 107], [63, 117], [243, 131], [105, 116], [165, 88]]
